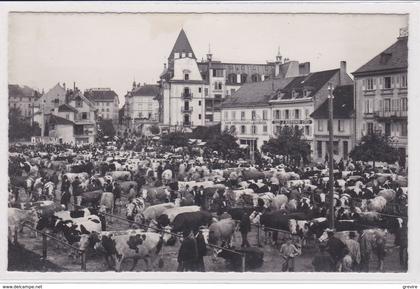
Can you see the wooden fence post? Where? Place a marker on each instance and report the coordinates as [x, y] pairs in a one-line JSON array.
[[44, 246], [243, 261], [83, 257], [258, 235]]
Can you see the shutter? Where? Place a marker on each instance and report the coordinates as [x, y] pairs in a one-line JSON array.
[[364, 129], [393, 85]]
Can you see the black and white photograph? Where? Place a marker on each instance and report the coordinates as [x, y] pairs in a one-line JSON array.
[[208, 142]]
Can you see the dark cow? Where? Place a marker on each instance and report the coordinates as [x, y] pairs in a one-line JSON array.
[[191, 221], [254, 258], [237, 213]]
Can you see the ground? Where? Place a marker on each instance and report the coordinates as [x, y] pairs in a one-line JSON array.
[[30, 259]]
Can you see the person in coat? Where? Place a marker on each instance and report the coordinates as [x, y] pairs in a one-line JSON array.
[[336, 248], [289, 251], [77, 191], [245, 228], [188, 253], [354, 250], [201, 250], [322, 261]]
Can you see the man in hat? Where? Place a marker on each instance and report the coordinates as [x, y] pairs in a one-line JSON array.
[[336, 248], [245, 228], [354, 250], [188, 253], [289, 251], [322, 261], [201, 249]]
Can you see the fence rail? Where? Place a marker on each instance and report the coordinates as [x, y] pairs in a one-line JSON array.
[[82, 253]]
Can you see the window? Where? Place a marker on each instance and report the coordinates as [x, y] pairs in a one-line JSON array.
[[320, 125], [107, 104], [306, 113], [387, 82], [369, 84], [286, 114], [199, 89], [369, 105], [404, 130], [199, 103], [404, 81], [370, 127], [67, 116], [183, 54], [84, 115], [307, 130], [277, 114], [340, 125], [404, 104], [244, 77], [253, 115], [297, 113], [335, 147], [254, 129], [243, 129], [264, 128], [264, 115], [107, 110], [319, 148], [199, 116], [186, 76], [387, 104], [79, 103], [226, 115], [176, 55], [217, 72], [189, 54], [242, 115], [206, 91]]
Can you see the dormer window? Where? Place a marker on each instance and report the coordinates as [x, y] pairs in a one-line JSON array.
[[176, 55], [183, 55], [186, 76], [190, 54]]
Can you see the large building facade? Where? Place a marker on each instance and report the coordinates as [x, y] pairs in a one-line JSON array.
[[106, 103], [192, 92], [25, 99], [381, 95]]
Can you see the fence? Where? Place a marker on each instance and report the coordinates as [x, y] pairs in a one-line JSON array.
[[45, 245], [265, 228]]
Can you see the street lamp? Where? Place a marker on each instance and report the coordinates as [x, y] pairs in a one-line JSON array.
[[330, 152]]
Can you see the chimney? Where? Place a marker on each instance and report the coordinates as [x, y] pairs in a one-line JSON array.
[[343, 72], [64, 85], [74, 86]]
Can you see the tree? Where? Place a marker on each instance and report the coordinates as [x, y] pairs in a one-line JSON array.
[[289, 143], [374, 147], [19, 128], [206, 132], [154, 129], [225, 144], [177, 139], [105, 128]]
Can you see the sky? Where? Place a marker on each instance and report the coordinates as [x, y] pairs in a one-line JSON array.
[[111, 50]]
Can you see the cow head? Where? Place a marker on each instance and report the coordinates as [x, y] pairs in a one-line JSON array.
[[131, 211], [163, 220]]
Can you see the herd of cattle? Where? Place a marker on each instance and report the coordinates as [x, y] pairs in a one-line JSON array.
[[275, 198]]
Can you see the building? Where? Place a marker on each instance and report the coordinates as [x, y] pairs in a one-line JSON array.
[[343, 125], [293, 104], [53, 98], [141, 106], [106, 103], [381, 95], [247, 113], [192, 91], [25, 99]]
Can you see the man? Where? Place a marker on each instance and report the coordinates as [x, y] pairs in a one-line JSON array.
[[336, 248], [108, 186], [322, 261], [201, 249], [117, 196], [132, 194], [77, 198], [188, 253], [245, 228], [289, 251], [354, 250]]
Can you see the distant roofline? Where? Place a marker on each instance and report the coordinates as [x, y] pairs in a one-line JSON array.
[[232, 63], [381, 71]]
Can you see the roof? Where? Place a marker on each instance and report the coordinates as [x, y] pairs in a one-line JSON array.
[[394, 57], [255, 93], [56, 91], [343, 104], [146, 90], [313, 82], [66, 107], [101, 95], [181, 45], [54, 119], [16, 90]]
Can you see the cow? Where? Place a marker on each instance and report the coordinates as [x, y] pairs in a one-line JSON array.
[[191, 221], [136, 206], [388, 194], [145, 246], [279, 202], [72, 176], [377, 204], [16, 218], [168, 216], [153, 212], [222, 231], [120, 175], [91, 198]]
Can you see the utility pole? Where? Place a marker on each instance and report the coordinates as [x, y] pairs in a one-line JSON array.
[[330, 153]]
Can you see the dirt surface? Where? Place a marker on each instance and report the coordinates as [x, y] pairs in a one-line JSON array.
[[59, 257]]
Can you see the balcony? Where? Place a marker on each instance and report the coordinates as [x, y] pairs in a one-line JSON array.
[[186, 95], [186, 109], [395, 114]]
